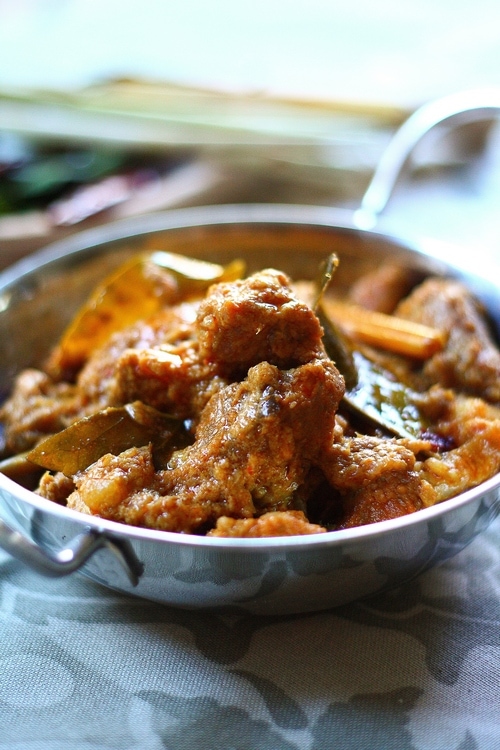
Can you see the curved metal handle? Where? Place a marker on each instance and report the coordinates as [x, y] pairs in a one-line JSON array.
[[70, 558], [455, 109]]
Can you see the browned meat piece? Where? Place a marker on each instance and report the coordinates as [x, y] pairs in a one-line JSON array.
[[109, 485], [255, 320], [383, 288], [55, 487], [170, 379], [277, 523], [37, 407], [473, 427], [255, 443], [470, 361], [169, 328], [355, 461], [374, 477], [391, 495]]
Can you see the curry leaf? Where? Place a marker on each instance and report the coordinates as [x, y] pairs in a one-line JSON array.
[[383, 400], [110, 430]]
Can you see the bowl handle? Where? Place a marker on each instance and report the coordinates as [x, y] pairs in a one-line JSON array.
[[73, 556], [456, 109]]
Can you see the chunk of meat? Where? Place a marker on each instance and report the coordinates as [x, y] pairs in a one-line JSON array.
[[37, 407], [254, 320], [255, 443], [374, 477], [55, 487], [109, 485], [383, 288], [473, 426], [170, 379], [391, 495], [470, 361], [97, 381], [277, 523], [354, 461]]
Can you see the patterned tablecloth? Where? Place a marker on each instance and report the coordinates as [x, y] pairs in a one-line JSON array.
[[414, 669]]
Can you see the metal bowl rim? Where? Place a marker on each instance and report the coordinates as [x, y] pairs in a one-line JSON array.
[[275, 214]]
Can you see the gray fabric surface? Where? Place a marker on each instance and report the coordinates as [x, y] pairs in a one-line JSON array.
[[415, 669]]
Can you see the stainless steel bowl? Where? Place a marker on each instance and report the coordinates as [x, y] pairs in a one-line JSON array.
[[38, 297], [275, 575]]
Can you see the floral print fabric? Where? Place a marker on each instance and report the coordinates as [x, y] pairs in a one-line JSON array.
[[417, 668]]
